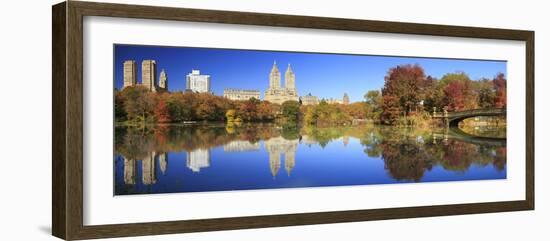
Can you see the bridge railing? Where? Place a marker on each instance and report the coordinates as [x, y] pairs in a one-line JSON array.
[[473, 112]]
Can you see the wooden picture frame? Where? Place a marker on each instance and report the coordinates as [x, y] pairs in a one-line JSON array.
[[67, 124]]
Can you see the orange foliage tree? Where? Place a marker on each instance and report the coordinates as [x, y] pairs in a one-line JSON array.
[[402, 91], [499, 83]]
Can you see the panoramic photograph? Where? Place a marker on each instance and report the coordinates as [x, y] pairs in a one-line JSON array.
[[189, 119]]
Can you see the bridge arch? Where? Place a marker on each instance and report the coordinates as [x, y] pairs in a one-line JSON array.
[[454, 118]]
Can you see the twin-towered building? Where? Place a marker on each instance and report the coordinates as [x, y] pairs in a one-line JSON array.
[[277, 93], [148, 75]]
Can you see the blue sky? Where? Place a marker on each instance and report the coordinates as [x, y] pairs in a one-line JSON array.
[[321, 74]]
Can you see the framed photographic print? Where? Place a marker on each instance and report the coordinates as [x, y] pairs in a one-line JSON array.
[[212, 120]]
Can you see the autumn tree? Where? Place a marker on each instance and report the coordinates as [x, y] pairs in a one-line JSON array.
[[402, 92], [230, 115], [267, 111], [248, 110], [459, 92], [162, 114], [203, 111], [220, 105], [357, 110], [138, 104], [390, 109], [454, 95], [499, 83]]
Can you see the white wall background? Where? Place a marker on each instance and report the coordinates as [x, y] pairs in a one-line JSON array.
[[25, 119]]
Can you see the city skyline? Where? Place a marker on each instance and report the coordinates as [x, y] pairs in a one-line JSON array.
[[323, 75]]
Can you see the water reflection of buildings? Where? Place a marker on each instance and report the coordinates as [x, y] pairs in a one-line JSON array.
[[148, 168], [345, 140], [308, 140], [277, 146], [130, 169], [200, 158], [240, 146], [163, 162], [197, 159]]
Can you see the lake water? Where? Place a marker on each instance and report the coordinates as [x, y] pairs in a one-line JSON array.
[[217, 157]]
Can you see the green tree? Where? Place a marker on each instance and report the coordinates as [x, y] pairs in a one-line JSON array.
[[373, 97], [139, 103], [311, 115], [180, 107], [291, 111], [325, 114], [120, 112], [432, 94], [373, 100], [486, 93]]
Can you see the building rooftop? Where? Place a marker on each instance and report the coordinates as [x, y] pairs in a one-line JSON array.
[[231, 89]]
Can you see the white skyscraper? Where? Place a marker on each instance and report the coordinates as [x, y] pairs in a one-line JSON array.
[[197, 82], [163, 80]]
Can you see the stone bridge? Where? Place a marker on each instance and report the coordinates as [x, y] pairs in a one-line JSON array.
[[453, 118]]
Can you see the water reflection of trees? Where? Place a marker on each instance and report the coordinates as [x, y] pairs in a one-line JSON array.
[[136, 143], [407, 153]]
